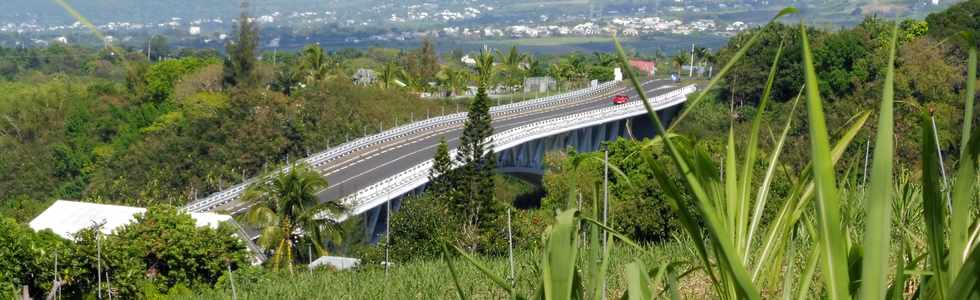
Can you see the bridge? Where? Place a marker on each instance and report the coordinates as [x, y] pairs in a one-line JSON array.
[[366, 173]]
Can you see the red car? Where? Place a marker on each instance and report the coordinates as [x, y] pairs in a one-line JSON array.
[[620, 99]]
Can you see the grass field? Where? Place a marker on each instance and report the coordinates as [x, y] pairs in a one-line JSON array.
[[430, 280]]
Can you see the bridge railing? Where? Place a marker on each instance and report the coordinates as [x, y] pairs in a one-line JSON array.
[[322, 158], [417, 175]]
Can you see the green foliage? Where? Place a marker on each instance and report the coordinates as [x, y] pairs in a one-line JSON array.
[[165, 249], [161, 77], [422, 63], [241, 62], [636, 203], [162, 249], [475, 203], [963, 16], [287, 211], [419, 228], [27, 258], [745, 81]]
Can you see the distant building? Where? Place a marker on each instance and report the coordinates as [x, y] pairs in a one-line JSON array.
[[539, 84], [364, 77], [194, 30], [647, 67], [467, 60]]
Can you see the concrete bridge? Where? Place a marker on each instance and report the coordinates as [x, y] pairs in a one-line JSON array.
[[368, 172]]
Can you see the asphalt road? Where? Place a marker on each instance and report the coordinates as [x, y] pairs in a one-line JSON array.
[[365, 167]]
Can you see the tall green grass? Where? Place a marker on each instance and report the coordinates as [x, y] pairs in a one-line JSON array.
[[721, 218]]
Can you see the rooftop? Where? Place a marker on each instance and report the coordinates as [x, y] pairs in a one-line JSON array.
[[66, 218]]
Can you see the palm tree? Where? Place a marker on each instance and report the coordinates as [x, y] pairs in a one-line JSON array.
[[678, 61], [514, 63], [513, 60], [710, 59], [287, 211], [452, 79], [315, 63], [574, 66], [533, 66], [388, 74], [557, 71], [701, 55], [411, 82], [485, 72], [605, 59], [287, 80]]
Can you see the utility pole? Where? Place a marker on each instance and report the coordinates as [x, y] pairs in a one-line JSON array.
[[98, 255], [387, 235], [510, 249], [605, 187], [605, 205], [691, 73]]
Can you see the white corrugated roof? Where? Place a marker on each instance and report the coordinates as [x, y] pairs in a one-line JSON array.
[[337, 262], [66, 218]]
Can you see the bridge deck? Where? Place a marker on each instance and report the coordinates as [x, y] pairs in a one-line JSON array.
[[368, 165]]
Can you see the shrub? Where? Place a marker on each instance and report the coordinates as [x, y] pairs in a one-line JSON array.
[[416, 228], [27, 258], [637, 207]]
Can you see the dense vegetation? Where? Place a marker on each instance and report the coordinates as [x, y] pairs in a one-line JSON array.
[[767, 180], [110, 126], [161, 251]]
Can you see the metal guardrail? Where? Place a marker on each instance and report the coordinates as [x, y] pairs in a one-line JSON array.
[[417, 175], [322, 158]]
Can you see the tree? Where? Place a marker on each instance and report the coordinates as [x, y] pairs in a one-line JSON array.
[[679, 61], [557, 71], [164, 248], [288, 212], [964, 16], [241, 61], [912, 29], [485, 71], [453, 79], [514, 65], [27, 258], [315, 63], [535, 68], [440, 176], [475, 179], [422, 63], [574, 66], [287, 79], [605, 59], [388, 74], [413, 83], [429, 60], [158, 48]]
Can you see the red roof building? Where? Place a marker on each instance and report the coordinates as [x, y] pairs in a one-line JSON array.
[[646, 66]]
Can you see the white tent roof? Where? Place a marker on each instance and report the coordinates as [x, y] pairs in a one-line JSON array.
[[66, 218], [337, 262]]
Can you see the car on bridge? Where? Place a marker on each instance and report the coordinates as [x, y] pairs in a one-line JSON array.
[[620, 99]]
